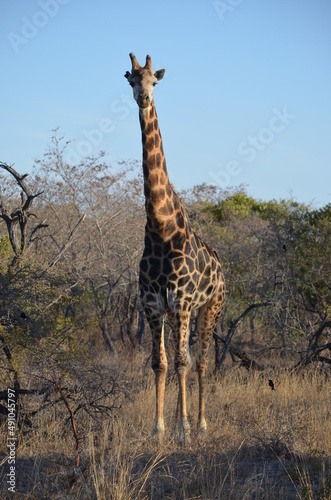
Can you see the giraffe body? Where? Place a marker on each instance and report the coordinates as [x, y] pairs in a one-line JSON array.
[[179, 272]]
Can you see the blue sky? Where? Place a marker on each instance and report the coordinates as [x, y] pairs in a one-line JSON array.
[[245, 99]]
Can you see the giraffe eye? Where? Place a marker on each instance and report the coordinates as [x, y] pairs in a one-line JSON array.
[[154, 83]]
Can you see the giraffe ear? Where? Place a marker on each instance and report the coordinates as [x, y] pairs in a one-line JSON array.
[[159, 74], [127, 74]]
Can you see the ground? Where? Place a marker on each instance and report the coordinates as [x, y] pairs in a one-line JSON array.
[[261, 443]]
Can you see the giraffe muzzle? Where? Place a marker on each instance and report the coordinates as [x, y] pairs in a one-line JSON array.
[[144, 101]]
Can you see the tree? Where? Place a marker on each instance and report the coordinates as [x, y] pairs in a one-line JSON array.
[[16, 215], [104, 261], [274, 253]]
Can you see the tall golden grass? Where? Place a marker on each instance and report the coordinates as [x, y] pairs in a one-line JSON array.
[[260, 444]]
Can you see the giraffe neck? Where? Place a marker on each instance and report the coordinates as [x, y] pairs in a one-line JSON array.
[[163, 208]]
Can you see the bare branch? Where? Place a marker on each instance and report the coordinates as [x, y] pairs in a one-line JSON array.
[[33, 232], [313, 350], [19, 215], [246, 362], [233, 328], [20, 181], [72, 419], [65, 246]]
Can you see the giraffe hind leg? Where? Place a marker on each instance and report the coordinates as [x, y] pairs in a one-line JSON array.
[[207, 319]]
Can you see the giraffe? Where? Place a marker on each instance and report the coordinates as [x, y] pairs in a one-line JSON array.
[[180, 275]]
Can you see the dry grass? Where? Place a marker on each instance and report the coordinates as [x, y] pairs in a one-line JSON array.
[[261, 444]]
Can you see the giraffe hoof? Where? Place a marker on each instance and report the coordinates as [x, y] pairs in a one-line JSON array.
[[158, 433], [184, 439], [184, 435], [202, 428], [173, 433], [202, 434]]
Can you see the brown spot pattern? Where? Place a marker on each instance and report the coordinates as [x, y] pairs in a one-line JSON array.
[[179, 272]]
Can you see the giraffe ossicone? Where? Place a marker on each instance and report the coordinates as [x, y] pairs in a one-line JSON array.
[[179, 273]]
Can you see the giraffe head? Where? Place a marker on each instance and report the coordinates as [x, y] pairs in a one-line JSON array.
[[143, 80]]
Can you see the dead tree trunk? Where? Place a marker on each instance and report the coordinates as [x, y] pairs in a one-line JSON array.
[[315, 348], [16, 220], [220, 356]]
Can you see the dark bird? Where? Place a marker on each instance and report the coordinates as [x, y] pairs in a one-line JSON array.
[[272, 385]]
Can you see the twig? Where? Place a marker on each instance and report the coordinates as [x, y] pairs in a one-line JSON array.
[[72, 419], [65, 246]]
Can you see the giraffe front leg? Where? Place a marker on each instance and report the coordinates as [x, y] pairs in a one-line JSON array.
[[202, 360], [159, 365], [177, 419], [182, 366], [183, 426], [202, 424]]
